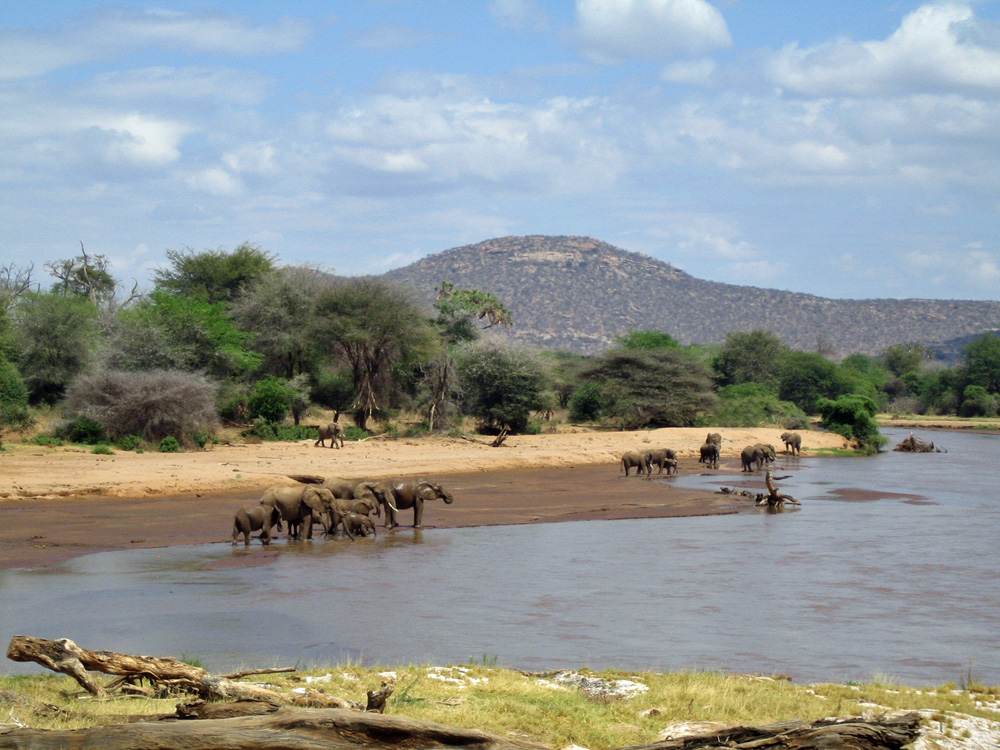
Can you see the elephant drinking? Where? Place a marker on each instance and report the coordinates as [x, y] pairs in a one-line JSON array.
[[412, 494]]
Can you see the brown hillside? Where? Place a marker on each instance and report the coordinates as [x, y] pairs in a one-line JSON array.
[[578, 293]]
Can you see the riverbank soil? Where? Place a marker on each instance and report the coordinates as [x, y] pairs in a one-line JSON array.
[[61, 502]]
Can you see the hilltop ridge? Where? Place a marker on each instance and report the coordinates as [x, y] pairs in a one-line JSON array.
[[579, 294]]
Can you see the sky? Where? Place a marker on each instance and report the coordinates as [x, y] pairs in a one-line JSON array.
[[839, 148]]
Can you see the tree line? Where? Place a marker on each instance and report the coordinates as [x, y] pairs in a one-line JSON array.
[[229, 336]]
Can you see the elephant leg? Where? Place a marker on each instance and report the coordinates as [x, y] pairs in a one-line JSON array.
[[418, 513], [309, 527]]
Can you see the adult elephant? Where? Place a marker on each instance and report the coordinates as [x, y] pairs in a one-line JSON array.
[[793, 442], [342, 488], [333, 432], [252, 519], [297, 505], [639, 460], [412, 494], [714, 437], [709, 455], [753, 457], [664, 457]]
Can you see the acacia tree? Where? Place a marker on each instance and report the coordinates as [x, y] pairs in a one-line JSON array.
[[660, 387], [459, 308], [374, 327], [216, 275], [750, 357]]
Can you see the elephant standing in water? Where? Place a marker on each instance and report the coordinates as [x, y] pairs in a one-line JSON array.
[[664, 457], [755, 456], [254, 518], [297, 505], [710, 455], [412, 494], [639, 460], [793, 442]]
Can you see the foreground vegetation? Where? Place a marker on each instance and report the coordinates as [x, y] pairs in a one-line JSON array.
[[543, 708], [229, 337]]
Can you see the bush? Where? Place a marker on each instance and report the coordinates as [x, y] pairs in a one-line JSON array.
[[169, 444], [13, 398], [502, 385], [271, 432], [129, 442], [154, 403], [753, 405], [353, 432], [853, 417], [270, 400], [587, 403], [81, 429], [977, 402], [234, 403], [103, 449]]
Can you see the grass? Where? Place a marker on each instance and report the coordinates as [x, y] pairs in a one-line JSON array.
[[533, 707]]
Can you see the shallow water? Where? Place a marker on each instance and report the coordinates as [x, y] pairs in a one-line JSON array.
[[890, 566]]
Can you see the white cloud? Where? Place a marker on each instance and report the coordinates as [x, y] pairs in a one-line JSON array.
[[215, 181], [936, 47], [521, 15], [694, 72], [141, 139], [162, 83], [611, 31]]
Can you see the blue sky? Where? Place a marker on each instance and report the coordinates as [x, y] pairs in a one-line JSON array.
[[840, 148]]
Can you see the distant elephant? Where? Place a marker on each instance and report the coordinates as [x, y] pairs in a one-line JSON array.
[[710, 455], [343, 488], [254, 518], [639, 460], [714, 437], [755, 456], [356, 524], [333, 432], [664, 457], [793, 442], [297, 505], [412, 494]]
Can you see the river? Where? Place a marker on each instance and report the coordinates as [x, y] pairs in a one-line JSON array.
[[889, 569]]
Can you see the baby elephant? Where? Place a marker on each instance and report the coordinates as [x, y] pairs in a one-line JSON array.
[[664, 457], [793, 442], [252, 518], [356, 524]]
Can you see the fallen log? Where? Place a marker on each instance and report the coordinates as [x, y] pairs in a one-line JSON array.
[[773, 497], [65, 656]]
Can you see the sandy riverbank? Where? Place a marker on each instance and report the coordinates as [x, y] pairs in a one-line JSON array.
[[62, 502]]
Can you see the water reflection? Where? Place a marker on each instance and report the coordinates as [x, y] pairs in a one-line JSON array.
[[838, 589]]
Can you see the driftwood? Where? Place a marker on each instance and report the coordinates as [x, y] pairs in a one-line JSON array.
[[323, 729], [773, 497]]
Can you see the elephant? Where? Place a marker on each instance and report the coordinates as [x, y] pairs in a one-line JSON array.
[[302, 504], [355, 524], [710, 455], [374, 494], [714, 437], [793, 442], [664, 457], [254, 518], [343, 488], [338, 508], [407, 494], [756, 456], [640, 460], [333, 432]]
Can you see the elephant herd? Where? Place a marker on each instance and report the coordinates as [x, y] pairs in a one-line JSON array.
[[336, 504], [753, 457]]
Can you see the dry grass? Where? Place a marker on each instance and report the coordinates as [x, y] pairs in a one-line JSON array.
[[534, 707]]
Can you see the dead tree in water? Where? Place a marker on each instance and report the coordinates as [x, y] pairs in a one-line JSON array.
[[773, 497]]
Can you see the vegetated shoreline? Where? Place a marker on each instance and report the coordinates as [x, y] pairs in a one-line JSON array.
[[68, 501]]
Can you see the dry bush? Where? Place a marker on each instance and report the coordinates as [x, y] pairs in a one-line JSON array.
[[153, 403]]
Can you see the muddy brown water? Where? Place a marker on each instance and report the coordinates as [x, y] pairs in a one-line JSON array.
[[888, 568]]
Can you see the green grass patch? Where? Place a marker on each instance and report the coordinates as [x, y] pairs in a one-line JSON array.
[[531, 706]]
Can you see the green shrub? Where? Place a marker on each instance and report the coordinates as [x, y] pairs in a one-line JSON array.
[[81, 429], [754, 405], [129, 442], [853, 417], [271, 432], [47, 441], [169, 444], [103, 449], [587, 403], [201, 438], [353, 432], [270, 400], [13, 398]]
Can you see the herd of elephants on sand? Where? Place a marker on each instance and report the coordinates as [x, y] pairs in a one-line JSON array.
[[351, 506]]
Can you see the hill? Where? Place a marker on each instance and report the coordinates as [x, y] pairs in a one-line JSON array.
[[578, 294]]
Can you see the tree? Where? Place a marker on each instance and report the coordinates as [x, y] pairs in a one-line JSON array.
[[459, 308], [215, 275], [152, 404], [56, 338], [647, 341], [806, 377], [13, 398], [587, 404], [166, 331], [981, 358], [750, 357], [903, 358], [663, 387], [86, 276], [441, 390], [502, 384], [374, 327], [753, 405], [852, 416]]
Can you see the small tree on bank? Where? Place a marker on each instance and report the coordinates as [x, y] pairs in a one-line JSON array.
[[502, 385]]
